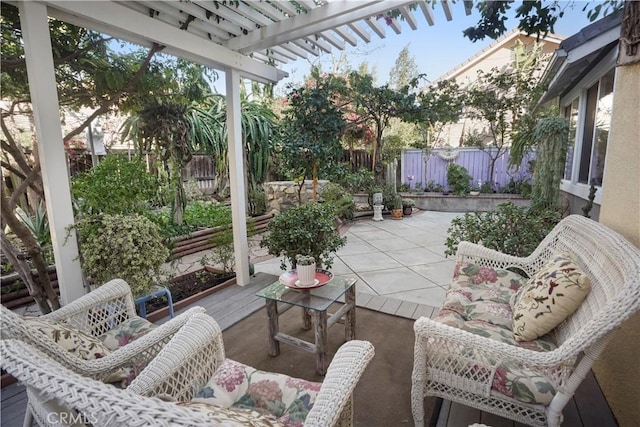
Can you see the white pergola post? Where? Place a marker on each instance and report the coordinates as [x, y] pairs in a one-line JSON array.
[[44, 99], [236, 175]]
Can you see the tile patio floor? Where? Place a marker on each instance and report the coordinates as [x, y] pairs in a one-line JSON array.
[[400, 259]]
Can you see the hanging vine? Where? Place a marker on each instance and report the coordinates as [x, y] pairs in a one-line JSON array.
[[551, 135]]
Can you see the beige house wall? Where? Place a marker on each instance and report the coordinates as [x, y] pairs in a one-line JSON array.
[[498, 55], [618, 369]]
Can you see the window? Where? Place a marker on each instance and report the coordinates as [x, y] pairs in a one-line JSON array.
[[571, 113], [589, 123]]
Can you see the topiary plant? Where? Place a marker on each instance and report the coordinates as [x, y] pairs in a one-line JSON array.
[[308, 229], [128, 247]]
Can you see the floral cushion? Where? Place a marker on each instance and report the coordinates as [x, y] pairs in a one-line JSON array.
[[233, 416], [123, 334], [241, 386], [478, 302], [126, 332], [80, 344], [552, 295]]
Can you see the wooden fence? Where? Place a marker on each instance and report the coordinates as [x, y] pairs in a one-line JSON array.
[[419, 170]]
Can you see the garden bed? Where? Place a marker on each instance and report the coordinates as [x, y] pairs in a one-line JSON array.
[[439, 202], [189, 288]]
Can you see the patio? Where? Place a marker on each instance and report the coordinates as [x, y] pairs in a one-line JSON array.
[[401, 271]]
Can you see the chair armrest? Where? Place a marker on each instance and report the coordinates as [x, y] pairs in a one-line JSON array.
[[343, 374], [477, 254], [100, 310], [102, 404], [137, 353], [433, 336], [186, 363]]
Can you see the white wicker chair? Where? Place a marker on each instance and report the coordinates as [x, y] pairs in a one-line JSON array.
[[442, 368], [181, 368], [94, 313]]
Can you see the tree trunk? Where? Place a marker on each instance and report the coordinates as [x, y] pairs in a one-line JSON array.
[[24, 271]]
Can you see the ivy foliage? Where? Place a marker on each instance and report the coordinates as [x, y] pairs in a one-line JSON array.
[[309, 230], [122, 246]]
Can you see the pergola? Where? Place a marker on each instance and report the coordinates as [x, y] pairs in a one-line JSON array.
[[245, 39]]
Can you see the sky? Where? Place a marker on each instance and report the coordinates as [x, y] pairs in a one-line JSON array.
[[435, 49]]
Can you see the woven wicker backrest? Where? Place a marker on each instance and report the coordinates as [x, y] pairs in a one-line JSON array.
[[612, 264], [185, 363], [98, 403]]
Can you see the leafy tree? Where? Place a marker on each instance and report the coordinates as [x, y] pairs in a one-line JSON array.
[[404, 71], [499, 99], [536, 17], [377, 105], [89, 73], [311, 128]]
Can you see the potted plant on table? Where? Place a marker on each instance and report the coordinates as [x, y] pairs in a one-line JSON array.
[[308, 230]]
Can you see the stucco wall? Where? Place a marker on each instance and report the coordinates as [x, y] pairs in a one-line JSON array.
[[618, 370]]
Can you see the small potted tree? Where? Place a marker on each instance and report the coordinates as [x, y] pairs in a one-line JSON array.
[[396, 210], [308, 230]]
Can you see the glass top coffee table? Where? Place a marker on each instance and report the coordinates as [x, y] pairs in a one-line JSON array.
[[314, 303]]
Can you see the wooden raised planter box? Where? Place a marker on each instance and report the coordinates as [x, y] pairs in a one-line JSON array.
[[201, 240], [203, 277]]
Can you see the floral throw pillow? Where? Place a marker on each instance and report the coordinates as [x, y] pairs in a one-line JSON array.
[[75, 341], [80, 344], [549, 297]]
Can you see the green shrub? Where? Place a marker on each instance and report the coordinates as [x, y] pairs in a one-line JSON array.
[[257, 202], [509, 229], [122, 246], [197, 215], [340, 199], [308, 229], [222, 253], [357, 182], [458, 179], [115, 186], [433, 187]]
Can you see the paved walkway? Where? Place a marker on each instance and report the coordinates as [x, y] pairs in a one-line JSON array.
[[401, 259]]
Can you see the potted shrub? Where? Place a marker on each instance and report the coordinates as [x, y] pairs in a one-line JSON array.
[[308, 229], [407, 206], [396, 210]]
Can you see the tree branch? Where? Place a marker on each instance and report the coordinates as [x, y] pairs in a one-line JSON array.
[[105, 105]]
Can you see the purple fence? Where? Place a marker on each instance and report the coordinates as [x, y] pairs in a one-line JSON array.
[[476, 162]]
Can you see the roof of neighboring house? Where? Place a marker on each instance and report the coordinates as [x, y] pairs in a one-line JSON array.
[[487, 51], [575, 56]]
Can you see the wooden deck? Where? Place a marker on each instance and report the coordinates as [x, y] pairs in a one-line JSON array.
[[587, 409]]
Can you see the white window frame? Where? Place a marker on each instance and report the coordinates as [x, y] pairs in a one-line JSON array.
[[572, 186]]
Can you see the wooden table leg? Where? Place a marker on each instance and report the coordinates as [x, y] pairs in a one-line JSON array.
[[350, 316], [321, 341], [306, 319], [272, 313]]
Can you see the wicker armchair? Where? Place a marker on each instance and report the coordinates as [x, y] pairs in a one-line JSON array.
[[458, 365], [181, 368], [95, 313]]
